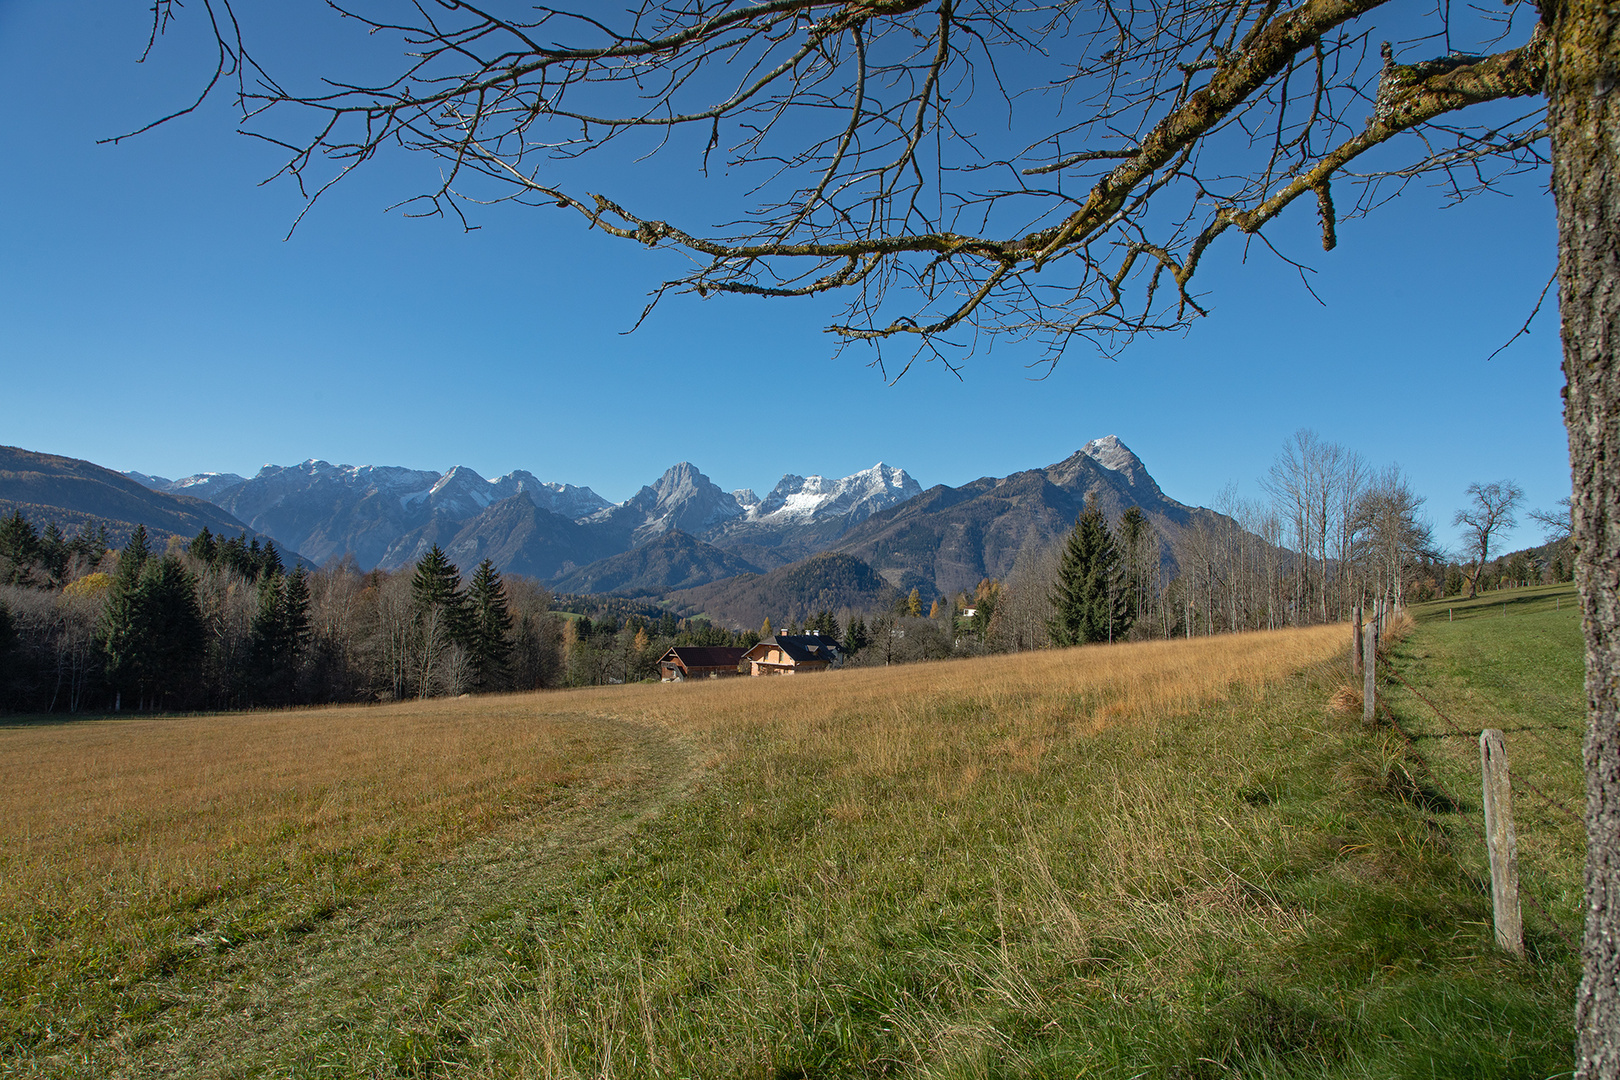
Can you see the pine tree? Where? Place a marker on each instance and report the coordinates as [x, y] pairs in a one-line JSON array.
[[204, 548], [855, 636], [440, 616], [490, 626], [53, 553], [174, 627], [1088, 599], [19, 548], [267, 642], [122, 630]]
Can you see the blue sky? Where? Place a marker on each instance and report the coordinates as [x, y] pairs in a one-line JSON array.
[[152, 317]]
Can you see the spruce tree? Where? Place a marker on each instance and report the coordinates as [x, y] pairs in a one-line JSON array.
[[19, 548], [270, 560], [123, 631], [440, 616], [491, 625], [204, 548], [53, 553], [295, 613], [437, 582], [1135, 530], [1088, 599], [174, 629], [267, 643]]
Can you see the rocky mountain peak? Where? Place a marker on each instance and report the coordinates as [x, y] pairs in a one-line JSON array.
[[1110, 453], [856, 496]]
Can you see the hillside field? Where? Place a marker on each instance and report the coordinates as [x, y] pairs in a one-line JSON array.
[[1170, 859]]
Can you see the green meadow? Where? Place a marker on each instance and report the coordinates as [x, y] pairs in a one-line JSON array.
[[1177, 859]]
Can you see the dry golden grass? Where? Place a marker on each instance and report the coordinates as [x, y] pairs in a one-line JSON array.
[[886, 721], [127, 846]]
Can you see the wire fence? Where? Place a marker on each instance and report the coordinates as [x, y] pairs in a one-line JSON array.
[[1387, 667]]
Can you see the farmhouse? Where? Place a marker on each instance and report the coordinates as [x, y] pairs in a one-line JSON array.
[[700, 662], [787, 654]]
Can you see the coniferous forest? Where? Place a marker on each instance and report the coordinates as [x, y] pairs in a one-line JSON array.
[[221, 623]]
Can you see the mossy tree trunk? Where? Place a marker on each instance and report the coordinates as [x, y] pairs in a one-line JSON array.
[[1584, 115]]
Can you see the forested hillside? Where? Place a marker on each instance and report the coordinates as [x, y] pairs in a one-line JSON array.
[[82, 497]]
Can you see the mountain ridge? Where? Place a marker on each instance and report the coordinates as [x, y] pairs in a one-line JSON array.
[[81, 494], [941, 540]]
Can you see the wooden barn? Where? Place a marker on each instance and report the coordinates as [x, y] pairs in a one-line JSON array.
[[700, 662], [789, 654]]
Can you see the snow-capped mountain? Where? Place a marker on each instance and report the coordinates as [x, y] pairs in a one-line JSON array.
[[201, 485], [365, 510], [386, 515], [855, 498], [948, 539], [943, 539], [683, 498], [1115, 456]]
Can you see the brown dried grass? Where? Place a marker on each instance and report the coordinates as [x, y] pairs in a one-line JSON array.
[[122, 841]]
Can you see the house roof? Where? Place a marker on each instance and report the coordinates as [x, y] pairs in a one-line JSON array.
[[800, 648], [696, 656]]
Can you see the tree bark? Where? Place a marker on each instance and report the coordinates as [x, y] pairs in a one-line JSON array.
[[1584, 118]]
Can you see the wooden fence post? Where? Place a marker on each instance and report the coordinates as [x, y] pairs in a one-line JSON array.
[[1369, 667], [1355, 645], [1501, 841]]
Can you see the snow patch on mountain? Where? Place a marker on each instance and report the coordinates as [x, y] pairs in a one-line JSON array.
[[858, 496], [1110, 453]]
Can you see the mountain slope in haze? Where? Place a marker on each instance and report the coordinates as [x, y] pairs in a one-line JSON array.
[[75, 493], [830, 581], [948, 539], [683, 498], [330, 510], [387, 516], [662, 565], [209, 486], [515, 534]]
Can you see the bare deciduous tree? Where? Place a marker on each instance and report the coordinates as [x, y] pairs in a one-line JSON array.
[[1555, 523], [1390, 534], [1490, 511]]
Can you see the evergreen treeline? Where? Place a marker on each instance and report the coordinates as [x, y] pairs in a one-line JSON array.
[[222, 623]]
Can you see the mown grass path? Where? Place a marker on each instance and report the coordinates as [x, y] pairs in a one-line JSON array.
[[367, 983]]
